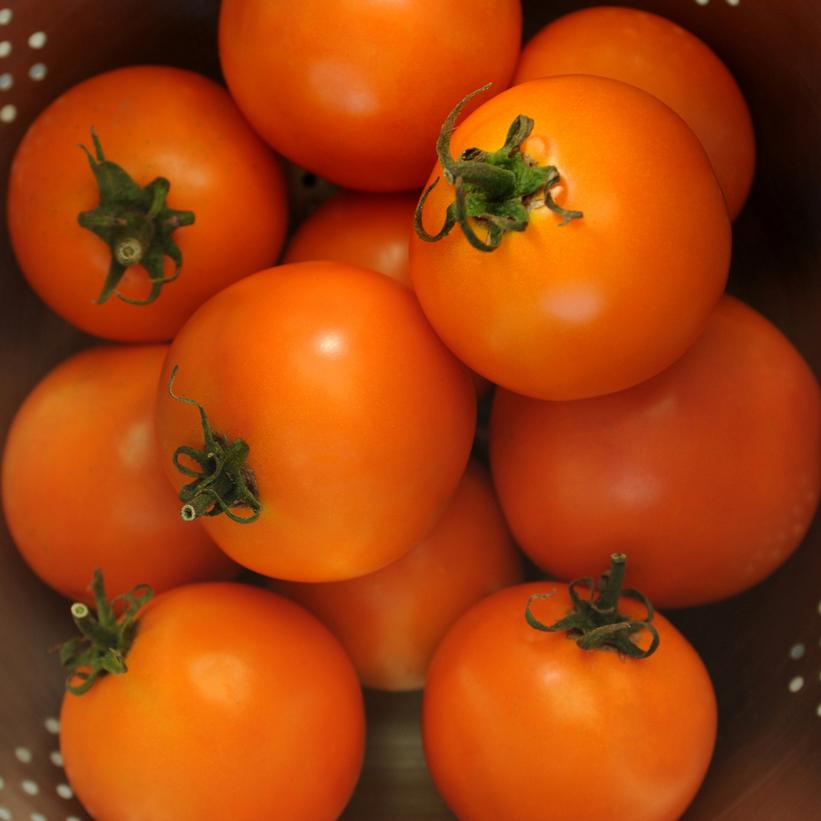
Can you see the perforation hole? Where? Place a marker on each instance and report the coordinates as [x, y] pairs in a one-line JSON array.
[[23, 754], [797, 651], [37, 40]]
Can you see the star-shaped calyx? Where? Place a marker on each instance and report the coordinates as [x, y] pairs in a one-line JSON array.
[[135, 223], [492, 188]]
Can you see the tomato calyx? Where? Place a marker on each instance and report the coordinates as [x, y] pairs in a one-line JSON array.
[[596, 623], [105, 637], [135, 223], [495, 189], [224, 480]]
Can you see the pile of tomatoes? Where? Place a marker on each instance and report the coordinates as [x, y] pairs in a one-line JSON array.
[[543, 232]]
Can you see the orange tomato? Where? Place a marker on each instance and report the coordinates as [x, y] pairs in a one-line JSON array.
[[607, 300], [368, 230], [656, 55], [525, 725], [236, 704], [391, 621], [358, 420], [154, 122], [355, 90], [82, 483], [708, 475]]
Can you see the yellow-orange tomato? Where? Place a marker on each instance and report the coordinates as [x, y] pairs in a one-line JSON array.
[[654, 54], [82, 483], [237, 704], [355, 90], [525, 725], [154, 122], [358, 419], [708, 475], [607, 300], [368, 230], [391, 621]]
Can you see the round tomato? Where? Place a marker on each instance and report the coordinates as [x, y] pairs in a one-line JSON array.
[[173, 182], [236, 704], [654, 54], [522, 724], [708, 475], [355, 90], [82, 483], [610, 239], [368, 230], [391, 621], [352, 421]]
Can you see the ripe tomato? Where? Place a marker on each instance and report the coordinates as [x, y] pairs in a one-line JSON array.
[[358, 420], [236, 704], [708, 475], [391, 621], [355, 90], [368, 230], [82, 482], [565, 311], [153, 122], [656, 55], [525, 725]]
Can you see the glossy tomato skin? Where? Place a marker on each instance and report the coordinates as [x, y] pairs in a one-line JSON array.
[[368, 230], [524, 725], [356, 90], [82, 483], [237, 704], [654, 54], [605, 301], [359, 421], [391, 621], [708, 475], [154, 122]]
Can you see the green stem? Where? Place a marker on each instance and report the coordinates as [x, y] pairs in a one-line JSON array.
[[197, 507], [494, 189], [596, 622], [104, 639], [128, 251], [135, 223], [224, 480], [611, 583]]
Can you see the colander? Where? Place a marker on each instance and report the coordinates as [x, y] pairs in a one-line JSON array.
[[763, 648]]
